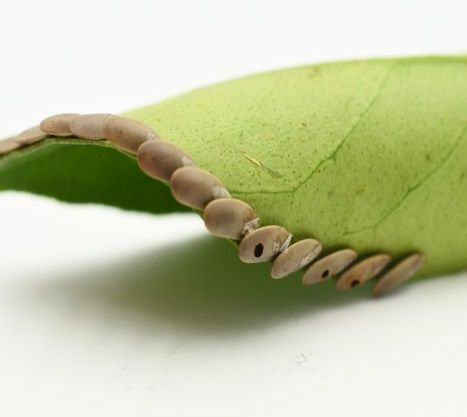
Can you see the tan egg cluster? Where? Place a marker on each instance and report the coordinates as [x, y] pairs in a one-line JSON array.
[[223, 215]]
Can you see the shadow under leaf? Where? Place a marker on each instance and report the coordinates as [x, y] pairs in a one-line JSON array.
[[199, 285]]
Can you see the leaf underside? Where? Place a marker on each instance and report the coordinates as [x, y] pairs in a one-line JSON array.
[[366, 154], [80, 171]]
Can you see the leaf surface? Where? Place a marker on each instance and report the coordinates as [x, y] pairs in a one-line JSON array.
[[367, 154]]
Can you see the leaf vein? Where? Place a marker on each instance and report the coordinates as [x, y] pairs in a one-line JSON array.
[[413, 188]]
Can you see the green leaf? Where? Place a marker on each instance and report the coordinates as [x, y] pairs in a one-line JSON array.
[[80, 172], [366, 154]]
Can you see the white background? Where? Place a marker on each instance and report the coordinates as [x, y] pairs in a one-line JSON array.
[[108, 313]]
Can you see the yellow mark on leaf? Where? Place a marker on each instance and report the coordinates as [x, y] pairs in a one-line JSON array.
[[251, 159]]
